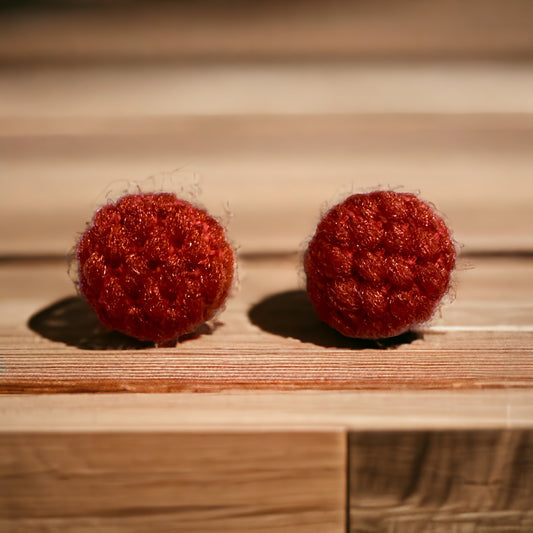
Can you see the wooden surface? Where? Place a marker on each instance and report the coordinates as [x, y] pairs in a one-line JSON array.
[[132, 30], [240, 411], [268, 420], [259, 461], [274, 173], [418, 482], [219, 482], [268, 337]]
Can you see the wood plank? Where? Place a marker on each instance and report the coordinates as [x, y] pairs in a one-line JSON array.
[[249, 87], [410, 482], [268, 338], [267, 411], [211, 29], [254, 482], [477, 169], [497, 361]]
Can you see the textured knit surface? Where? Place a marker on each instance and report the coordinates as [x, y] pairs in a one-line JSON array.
[[379, 264], [154, 267]]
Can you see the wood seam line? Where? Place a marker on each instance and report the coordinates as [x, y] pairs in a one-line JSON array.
[[347, 463], [272, 256]]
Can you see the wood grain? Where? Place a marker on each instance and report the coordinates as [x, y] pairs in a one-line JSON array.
[[498, 361], [252, 461], [441, 481], [127, 31], [321, 87], [477, 169], [268, 338], [257, 482], [267, 411]]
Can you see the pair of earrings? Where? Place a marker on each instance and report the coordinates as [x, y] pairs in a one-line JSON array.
[[155, 267]]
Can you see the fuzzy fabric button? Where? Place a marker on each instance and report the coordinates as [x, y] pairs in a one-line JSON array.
[[379, 264], [154, 267]]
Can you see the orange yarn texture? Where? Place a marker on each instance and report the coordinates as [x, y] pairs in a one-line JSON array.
[[154, 267], [379, 264]]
